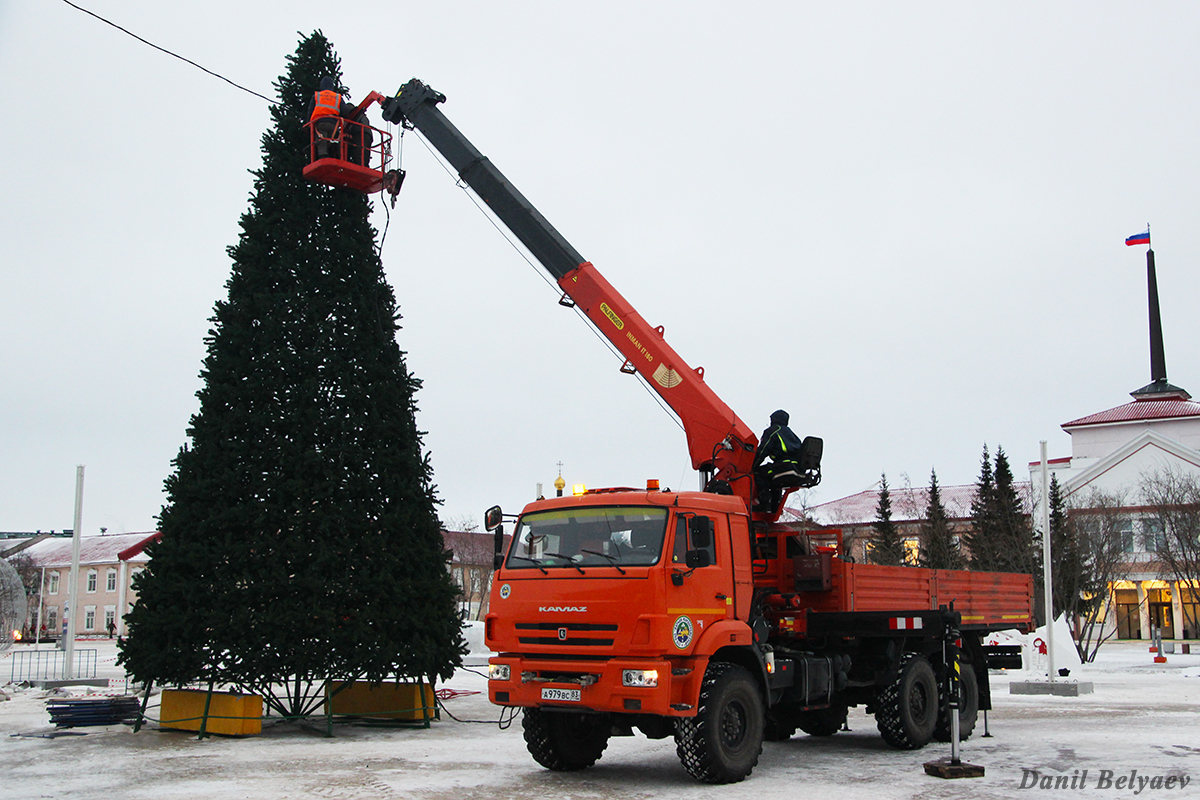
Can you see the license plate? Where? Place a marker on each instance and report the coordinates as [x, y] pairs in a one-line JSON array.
[[566, 695]]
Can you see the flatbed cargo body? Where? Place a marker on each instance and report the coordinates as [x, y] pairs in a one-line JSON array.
[[987, 601]]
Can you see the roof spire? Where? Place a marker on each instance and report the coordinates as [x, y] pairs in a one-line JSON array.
[[1158, 388]]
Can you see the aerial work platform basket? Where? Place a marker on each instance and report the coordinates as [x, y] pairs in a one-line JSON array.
[[342, 152]]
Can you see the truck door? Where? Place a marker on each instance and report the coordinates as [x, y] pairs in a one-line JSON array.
[[699, 597]]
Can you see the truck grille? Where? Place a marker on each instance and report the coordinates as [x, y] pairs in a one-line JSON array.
[[565, 633]]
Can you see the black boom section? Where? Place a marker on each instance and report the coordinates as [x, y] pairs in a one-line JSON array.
[[416, 104]]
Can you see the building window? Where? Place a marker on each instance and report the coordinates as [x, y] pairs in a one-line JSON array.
[[1125, 531], [53, 588], [110, 582], [1154, 539], [110, 617], [52, 617], [91, 581], [89, 618]]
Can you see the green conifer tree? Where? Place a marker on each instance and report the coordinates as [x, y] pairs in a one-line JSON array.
[[300, 539], [1069, 574], [981, 539], [939, 550], [1017, 551], [886, 545]]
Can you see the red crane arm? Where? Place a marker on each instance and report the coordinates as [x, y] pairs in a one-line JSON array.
[[720, 444], [708, 422]]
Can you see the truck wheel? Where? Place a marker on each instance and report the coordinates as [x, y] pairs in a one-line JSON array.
[[721, 744], [565, 741], [823, 721], [968, 711], [907, 708]]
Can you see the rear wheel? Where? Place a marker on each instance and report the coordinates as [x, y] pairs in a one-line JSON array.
[[721, 744], [565, 741], [968, 707], [906, 710]]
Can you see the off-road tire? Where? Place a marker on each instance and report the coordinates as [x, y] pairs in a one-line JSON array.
[[721, 744], [567, 740], [906, 710], [968, 710], [823, 721]]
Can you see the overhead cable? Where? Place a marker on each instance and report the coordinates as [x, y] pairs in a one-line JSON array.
[[168, 52]]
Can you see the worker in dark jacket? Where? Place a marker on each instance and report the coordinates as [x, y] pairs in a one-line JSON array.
[[779, 456], [324, 107]]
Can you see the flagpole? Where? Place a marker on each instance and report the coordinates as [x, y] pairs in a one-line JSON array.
[[73, 612]]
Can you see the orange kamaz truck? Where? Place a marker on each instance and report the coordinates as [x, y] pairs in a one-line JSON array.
[[697, 614]]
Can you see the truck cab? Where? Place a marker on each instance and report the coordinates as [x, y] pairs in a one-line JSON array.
[[614, 601]]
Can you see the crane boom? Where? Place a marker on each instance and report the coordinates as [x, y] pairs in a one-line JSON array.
[[721, 445]]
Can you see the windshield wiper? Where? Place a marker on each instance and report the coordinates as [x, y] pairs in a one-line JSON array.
[[533, 561], [569, 560], [604, 555]]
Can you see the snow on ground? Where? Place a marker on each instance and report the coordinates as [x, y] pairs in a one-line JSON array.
[[1142, 716]]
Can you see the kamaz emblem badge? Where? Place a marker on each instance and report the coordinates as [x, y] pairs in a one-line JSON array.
[[681, 633], [562, 634]]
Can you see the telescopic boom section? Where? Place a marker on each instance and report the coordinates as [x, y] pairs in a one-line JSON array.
[[719, 442]]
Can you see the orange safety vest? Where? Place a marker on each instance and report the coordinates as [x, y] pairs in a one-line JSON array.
[[328, 104]]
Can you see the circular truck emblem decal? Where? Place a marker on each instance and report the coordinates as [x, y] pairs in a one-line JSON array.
[[505, 591], [681, 633]]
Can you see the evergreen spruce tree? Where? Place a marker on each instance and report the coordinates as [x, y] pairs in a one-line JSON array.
[[300, 539], [1069, 575], [886, 545], [938, 548], [981, 539], [1017, 551]]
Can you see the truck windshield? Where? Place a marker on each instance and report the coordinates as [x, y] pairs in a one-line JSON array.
[[614, 536]]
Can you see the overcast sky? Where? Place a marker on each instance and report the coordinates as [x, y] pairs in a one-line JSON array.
[[903, 223]]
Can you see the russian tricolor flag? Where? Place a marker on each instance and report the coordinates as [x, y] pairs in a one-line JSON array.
[[1139, 238]]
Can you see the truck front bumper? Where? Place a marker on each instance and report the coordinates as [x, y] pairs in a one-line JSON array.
[[626, 685]]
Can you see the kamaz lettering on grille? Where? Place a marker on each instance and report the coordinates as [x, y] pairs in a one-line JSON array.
[[560, 609]]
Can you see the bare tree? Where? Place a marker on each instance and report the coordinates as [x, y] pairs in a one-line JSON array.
[[1174, 497], [1098, 522], [473, 552]]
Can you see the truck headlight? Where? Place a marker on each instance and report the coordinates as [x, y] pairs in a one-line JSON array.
[[498, 672], [646, 678]]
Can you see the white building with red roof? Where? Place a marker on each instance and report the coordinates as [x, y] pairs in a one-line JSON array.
[[855, 513], [107, 565], [1112, 452]]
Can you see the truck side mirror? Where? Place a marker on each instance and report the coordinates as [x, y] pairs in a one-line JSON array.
[[697, 559], [700, 532], [498, 549], [492, 518]]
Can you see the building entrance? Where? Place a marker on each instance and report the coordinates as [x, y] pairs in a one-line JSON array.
[[1129, 623], [1163, 618]]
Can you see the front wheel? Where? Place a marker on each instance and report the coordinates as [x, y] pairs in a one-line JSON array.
[[721, 744], [567, 740]]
